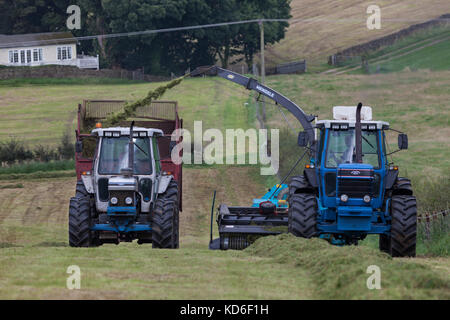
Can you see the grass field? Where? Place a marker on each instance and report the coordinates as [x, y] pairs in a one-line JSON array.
[[33, 212], [35, 255], [425, 49], [435, 57], [334, 25]]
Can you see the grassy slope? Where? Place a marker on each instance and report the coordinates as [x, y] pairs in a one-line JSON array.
[[40, 113], [436, 57], [342, 24]]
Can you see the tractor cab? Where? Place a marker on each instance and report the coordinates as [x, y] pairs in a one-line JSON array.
[[129, 189], [351, 190], [122, 180], [344, 180]]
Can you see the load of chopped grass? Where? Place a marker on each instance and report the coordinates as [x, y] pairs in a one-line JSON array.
[[341, 272], [130, 109]]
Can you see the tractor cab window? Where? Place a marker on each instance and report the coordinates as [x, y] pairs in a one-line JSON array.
[[341, 148], [114, 155]]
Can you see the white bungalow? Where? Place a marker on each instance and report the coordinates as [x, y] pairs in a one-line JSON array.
[[36, 49]]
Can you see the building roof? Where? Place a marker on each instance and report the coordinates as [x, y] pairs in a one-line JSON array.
[[36, 39]]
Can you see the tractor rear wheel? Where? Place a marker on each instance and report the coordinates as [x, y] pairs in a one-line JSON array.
[[302, 215], [80, 234], [403, 226]]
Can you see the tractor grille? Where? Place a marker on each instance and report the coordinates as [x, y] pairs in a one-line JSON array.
[[121, 195], [355, 183]]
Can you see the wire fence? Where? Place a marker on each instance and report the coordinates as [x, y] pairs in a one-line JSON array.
[[429, 217]]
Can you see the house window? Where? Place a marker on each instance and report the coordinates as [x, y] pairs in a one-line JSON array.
[[16, 56], [37, 55], [64, 53], [22, 56]]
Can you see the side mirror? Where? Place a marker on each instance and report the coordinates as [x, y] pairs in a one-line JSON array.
[[402, 141], [302, 139], [79, 146]]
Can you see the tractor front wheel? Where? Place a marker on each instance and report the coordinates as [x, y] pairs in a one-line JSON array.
[[80, 223], [302, 215], [403, 226]]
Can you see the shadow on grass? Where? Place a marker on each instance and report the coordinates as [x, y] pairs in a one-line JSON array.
[[47, 244], [5, 245]]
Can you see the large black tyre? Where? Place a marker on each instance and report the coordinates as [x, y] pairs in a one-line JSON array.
[[165, 219], [164, 225], [403, 226], [302, 218], [80, 190], [80, 234], [299, 184], [171, 192]]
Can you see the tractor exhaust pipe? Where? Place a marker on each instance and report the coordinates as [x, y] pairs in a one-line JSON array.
[[131, 149], [358, 137], [128, 172]]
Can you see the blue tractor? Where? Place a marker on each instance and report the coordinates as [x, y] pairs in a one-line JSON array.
[[348, 188]]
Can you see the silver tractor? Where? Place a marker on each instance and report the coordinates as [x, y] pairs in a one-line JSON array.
[[127, 195]]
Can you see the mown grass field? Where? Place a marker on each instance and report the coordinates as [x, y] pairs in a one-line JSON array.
[[34, 252], [435, 57], [35, 255], [329, 26]]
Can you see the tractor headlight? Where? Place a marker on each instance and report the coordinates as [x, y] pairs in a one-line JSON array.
[[344, 198], [114, 200], [366, 198], [128, 200]]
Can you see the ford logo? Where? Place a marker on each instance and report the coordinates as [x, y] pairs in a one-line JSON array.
[[355, 172]]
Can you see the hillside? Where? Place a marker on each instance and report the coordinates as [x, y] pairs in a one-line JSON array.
[[338, 24]]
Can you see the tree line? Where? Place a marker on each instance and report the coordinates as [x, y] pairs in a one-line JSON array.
[[160, 53]]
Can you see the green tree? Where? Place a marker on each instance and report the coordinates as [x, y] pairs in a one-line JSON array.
[[158, 53]]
